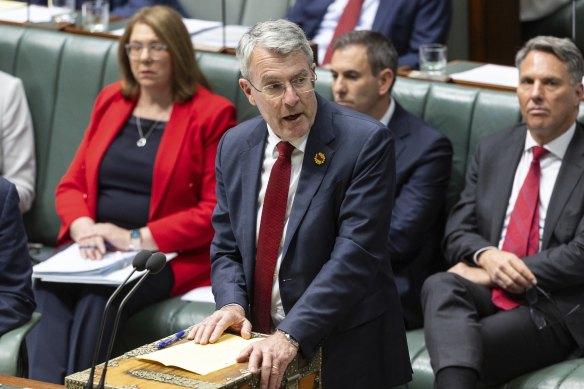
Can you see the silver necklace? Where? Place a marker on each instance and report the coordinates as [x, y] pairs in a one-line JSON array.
[[142, 140]]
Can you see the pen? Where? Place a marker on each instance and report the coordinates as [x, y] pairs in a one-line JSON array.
[[165, 343]]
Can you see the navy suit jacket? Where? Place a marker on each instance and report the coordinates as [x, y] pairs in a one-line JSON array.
[[16, 298], [335, 279], [477, 219], [408, 23], [126, 8], [423, 162]]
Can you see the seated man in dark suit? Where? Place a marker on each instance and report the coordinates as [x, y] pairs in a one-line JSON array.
[[511, 302], [364, 66], [16, 298], [408, 23], [304, 198]]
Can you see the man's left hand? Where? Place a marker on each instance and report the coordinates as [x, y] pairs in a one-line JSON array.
[[269, 357]]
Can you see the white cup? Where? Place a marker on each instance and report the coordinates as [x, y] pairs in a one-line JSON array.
[[433, 58], [95, 15], [62, 10]]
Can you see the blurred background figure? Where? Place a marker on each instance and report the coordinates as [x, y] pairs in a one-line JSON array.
[[143, 178], [17, 158], [126, 8], [408, 23]]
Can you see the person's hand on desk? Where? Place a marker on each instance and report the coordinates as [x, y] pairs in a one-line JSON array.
[[269, 357], [228, 317]]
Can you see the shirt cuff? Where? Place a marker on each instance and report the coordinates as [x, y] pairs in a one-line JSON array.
[[475, 257]]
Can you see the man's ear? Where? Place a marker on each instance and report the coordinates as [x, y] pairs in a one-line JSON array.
[[246, 88], [386, 80]]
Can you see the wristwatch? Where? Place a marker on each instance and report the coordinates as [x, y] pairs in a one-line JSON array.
[[135, 240], [290, 339]]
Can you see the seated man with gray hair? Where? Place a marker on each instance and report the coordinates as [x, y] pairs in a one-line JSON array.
[[511, 302]]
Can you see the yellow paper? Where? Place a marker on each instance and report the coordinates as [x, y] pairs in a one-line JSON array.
[[202, 359]]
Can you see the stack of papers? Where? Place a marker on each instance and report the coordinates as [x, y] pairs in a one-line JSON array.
[[69, 266], [20, 13], [193, 26], [219, 37], [506, 76]]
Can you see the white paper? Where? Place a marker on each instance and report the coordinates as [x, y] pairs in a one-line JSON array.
[[214, 36], [193, 26], [36, 14], [490, 74], [202, 294], [68, 266]]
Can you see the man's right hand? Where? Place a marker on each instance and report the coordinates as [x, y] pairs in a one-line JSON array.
[[507, 270], [228, 317]]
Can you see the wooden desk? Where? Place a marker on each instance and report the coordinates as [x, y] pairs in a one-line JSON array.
[[26, 383]]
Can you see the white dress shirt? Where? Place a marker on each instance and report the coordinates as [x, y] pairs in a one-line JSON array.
[[270, 157], [329, 22], [550, 167]]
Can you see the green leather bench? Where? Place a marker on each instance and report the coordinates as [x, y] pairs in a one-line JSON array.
[[62, 73]]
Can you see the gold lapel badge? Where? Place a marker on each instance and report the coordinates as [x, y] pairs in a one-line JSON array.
[[319, 158]]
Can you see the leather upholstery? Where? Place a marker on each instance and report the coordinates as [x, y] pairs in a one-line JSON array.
[[62, 74]]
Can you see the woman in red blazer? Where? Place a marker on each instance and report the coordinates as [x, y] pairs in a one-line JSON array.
[[143, 178]]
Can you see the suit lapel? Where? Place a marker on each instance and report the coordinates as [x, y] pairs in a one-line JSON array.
[[504, 177], [570, 173], [251, 166], [168, 153], [319, 139]]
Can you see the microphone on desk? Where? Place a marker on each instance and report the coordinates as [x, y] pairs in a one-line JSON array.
[[574, 21], [154, 265], [139, 263], [224, 23]]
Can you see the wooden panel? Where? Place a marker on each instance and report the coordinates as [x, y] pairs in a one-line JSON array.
[[495, 31]]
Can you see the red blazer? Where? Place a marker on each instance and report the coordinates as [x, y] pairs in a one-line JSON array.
[[183, 182]]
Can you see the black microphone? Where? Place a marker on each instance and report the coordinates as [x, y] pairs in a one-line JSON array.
[[154, 265], [139, 263]]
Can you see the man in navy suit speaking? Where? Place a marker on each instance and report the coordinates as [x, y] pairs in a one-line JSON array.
[[364, 69], [304, 199]]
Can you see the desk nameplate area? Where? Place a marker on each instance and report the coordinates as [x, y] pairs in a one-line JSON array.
[[129, 372]]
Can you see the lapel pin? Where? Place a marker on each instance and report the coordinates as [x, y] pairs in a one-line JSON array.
[[319, 158]]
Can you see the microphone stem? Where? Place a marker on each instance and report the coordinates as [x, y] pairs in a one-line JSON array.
[[115, 327], [89, 384]]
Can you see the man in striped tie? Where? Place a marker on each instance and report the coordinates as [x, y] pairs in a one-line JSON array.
[[510, 303]]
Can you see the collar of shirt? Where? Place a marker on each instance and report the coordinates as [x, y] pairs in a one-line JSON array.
[[557, 146], [273, 140], [388, 114]]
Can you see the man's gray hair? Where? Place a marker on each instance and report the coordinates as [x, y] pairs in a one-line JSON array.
[[563, 48], [281, 37]]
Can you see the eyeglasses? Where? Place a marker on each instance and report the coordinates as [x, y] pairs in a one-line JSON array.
[[275, 90], [539, 318], [154, 49]]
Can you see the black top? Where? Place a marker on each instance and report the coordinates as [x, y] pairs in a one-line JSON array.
[[125, 175]]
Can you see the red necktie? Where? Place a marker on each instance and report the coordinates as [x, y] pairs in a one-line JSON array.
[[522, 237], [347, 22], [270, 236]]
